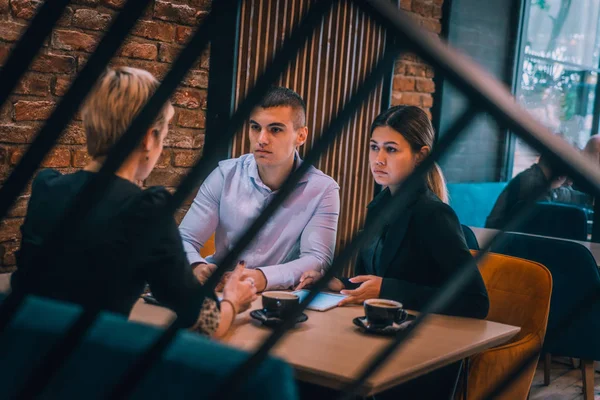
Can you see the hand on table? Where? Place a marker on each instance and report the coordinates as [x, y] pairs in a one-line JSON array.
[[369, 289], [203, 271], [240, 289], [310, 277]]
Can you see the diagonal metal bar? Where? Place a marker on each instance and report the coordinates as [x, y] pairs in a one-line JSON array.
[[28, 46], [446, 294], [205, 165], [584, 305], [230, 384], [69, 103], [482, 90]]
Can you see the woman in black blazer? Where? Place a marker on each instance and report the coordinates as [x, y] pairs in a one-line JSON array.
[[415, 255]]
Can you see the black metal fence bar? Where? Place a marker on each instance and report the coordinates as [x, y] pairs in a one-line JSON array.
[[205, 165], [69, 103], [29, 44]]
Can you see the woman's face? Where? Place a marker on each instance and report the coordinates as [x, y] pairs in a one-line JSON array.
[[391, 157]]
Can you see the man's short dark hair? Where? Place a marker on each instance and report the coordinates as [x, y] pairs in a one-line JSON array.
[[280, 96]]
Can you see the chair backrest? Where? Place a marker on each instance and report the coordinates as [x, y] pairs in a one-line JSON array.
[[473, 202], [192, 367], [519, 291], [209, 247], [470, 238], [557, 220], [575, 276]]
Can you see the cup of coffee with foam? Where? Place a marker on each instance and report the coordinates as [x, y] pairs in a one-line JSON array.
[[382, 313], [279, 303]]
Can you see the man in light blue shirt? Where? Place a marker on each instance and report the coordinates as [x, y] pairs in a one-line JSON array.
[[301, 235]]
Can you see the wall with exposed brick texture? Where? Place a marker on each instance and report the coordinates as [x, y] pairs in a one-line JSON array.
[[413, 79], [153, 45]]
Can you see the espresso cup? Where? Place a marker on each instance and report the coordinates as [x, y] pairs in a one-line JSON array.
[[279, 303], [382, 313]]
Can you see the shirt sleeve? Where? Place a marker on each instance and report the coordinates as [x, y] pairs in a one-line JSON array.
[[441, 236], [317, 245], [202, 218]]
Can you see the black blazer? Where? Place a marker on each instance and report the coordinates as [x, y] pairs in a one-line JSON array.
[[423, 248]]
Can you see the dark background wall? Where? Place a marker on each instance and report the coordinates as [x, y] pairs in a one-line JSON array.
[[487, 32]]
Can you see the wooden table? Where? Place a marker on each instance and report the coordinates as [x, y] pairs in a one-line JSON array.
[[328, 350], [484, 234]]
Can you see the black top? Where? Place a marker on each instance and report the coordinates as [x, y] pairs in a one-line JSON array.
[[421, 251], [93, 264]]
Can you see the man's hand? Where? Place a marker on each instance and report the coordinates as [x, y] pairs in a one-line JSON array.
[[203, 271], [369, 289], [260, 281]]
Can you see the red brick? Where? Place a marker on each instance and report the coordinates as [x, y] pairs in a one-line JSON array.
[[425, 86], [66, 18], [438, 2], [190, 98], [436, 12], [81, 158], [191, 119], [403, 84], [426, 101], [205, 59], [197, 79], [431, 25], [9, 257], [168, 53], [33, 110], [421, 8], [180, 13], [164, 160], [5, 50], [405, 4], [182, 34], [73, 134], [145, 51], [4, 6], [399, 68], [25, 9], [58, 157], [54, 63], [116, 4], [165, 177], [91, 19], [185, 138], [19, 209], [416, 70], [92, 3], [10, 31], [61, 85], [10, 230], [74, 41], [161, 31], [10, 133], [202, 4], [186, 158], [409, 99], [34, 84]]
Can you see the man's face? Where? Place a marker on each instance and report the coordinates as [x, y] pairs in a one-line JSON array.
[[273, 136]]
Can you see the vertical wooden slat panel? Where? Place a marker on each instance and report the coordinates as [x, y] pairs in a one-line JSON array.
[[325, 73]]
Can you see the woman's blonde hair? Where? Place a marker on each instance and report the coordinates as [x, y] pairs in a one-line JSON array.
[[414, 125], [116, 99]]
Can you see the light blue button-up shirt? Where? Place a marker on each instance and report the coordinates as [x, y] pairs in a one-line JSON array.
[[298, 238]]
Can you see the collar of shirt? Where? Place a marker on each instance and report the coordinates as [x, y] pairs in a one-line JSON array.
[[253, 172]]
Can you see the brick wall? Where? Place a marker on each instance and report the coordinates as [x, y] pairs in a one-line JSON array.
[[154, 43], [413, 79]]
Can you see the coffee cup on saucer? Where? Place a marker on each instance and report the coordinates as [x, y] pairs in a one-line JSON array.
[[382, 313], [279, 304]]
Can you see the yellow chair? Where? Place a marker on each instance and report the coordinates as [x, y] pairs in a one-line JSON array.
[[209, 247], [519, 291]]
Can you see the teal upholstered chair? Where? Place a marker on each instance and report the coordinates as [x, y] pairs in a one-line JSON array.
[[192, 367], [473, 202]]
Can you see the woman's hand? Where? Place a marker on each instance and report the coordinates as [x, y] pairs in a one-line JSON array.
[[369, 289], [310, 277], [240, 290]]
